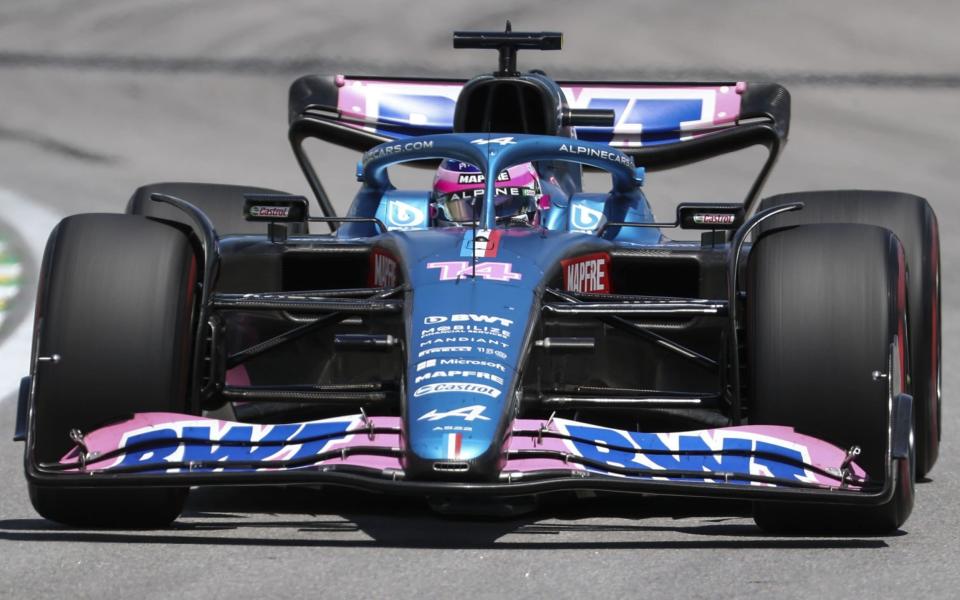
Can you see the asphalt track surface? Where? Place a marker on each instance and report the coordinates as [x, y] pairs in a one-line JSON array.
[[99, 97]]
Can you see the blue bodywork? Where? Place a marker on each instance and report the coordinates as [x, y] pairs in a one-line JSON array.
[[469, 324]]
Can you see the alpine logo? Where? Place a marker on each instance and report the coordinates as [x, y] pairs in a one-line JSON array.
[[503, 141], [467, 413], [587, 274], [457, 386], [494, 271]]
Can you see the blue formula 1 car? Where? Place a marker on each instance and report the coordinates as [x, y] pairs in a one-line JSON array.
[[503, 335]]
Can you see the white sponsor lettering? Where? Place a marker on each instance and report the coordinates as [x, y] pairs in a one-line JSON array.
[[426, 364], [455, 373], [442, 349], [465, 362], [457, 386], [459, 318], [465, 340], [589, 274], [382, 151], [492, 352], [610, 155], [474, 178], [464, 329], [714, 219]]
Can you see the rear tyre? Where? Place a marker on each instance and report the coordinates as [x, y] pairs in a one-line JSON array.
[[116, 303], [912, 220], [825, 310]]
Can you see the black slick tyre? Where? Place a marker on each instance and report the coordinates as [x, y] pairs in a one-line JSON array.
[[913, 221], [825, 311], [116, 304]]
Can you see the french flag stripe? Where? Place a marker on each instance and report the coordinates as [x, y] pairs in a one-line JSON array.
[[492, 244], [454, 441]]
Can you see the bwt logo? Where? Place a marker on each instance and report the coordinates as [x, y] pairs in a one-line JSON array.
[[585, 219], [467, 318], [730, 454], [246, 443], [403, 214]]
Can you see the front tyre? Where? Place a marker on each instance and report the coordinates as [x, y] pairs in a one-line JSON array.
[[116, 304], [914, 223], [825, 311]]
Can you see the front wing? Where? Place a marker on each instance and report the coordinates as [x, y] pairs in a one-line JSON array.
[[754, 461]]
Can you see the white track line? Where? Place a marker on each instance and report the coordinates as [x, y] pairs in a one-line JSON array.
[[33, 223]]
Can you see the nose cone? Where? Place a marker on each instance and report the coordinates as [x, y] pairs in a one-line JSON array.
[[471, 309], [472, 306], [461, 374]]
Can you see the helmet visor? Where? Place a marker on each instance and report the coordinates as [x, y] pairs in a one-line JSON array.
[[464, 206], [467, 205]]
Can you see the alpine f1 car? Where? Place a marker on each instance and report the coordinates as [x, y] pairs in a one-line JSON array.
[[503, 335]]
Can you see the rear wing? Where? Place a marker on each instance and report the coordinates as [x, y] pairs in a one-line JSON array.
[[661, 125], [361, 112]]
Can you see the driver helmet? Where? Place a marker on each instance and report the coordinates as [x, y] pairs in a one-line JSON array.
[[458, 189]]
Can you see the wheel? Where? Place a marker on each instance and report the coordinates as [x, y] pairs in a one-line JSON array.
[[914, 222], [825, 310], [116, 304], [223, 204]]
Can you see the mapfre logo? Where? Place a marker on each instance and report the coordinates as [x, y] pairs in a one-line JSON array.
[[587, 274], [383, 270]]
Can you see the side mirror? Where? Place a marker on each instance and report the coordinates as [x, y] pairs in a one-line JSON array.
[[710, 216]]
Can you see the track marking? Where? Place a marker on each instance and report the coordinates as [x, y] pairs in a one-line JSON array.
[[33, 223], [10, 272]]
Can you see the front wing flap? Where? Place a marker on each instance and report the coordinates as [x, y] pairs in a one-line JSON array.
[[756, 461]]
